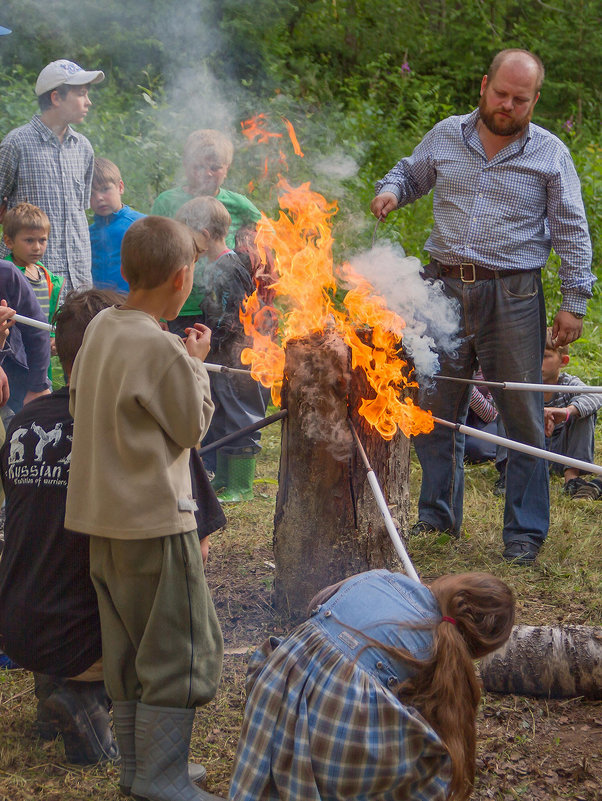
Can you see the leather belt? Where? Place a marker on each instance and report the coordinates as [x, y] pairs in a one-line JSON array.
[[468, 272]]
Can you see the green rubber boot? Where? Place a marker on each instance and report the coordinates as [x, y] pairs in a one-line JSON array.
[[220, 479], [241, 472]]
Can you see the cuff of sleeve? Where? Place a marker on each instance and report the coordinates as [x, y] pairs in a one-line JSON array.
[[389, 188], [573, 302]]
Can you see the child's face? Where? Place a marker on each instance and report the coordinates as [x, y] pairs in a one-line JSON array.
[[74, 106], [28, 246], [205, 174], [106, 198], [551, 366]]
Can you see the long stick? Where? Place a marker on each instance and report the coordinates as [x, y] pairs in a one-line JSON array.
[[587, 467], [221, 368], [19, 318], [525, 387], [242, 432], [384, 509]]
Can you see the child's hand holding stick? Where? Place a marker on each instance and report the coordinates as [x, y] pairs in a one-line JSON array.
[[198, 341]]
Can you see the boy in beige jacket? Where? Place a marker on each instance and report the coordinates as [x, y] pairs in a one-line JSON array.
[[140, 399]]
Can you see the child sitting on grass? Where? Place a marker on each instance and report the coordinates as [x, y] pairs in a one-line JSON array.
[[26, 230], [111, 220], [140, 399], [237, 399], [570, 420]]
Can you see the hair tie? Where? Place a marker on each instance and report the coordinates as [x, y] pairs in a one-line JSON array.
[[448, 620]]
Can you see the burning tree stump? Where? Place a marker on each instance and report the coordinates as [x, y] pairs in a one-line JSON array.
[[327, 525]]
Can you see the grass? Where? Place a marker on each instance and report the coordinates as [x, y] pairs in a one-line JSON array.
[[565, 586]]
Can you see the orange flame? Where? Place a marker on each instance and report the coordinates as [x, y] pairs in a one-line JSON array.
[[293, 137], [301, 240]]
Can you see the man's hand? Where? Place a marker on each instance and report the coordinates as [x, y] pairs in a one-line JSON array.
[[553, 415], [33, 395], [566, 328], [198, 341], [383, 204], [4, 388]]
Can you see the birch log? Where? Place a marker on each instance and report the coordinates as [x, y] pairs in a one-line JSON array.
[[549, 661]]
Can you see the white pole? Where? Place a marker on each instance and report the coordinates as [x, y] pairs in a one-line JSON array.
[[19, 318], [587, 467], [384, 510], [524, 387], [221, 368]]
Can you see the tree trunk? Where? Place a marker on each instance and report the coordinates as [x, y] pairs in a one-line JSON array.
[[327, 525], [555, 662]]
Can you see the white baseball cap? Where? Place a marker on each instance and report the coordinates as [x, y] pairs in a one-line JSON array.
[[64, 72]]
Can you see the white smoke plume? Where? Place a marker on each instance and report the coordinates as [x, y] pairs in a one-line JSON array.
[[432, 320]]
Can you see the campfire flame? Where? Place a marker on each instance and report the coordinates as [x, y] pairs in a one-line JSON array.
[[301, 242]]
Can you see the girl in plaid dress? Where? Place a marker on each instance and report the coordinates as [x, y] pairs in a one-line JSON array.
[[375, 695]]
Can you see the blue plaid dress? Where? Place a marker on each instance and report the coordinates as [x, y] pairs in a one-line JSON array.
[[322, 722]]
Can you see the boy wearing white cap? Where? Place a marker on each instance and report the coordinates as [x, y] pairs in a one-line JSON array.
[[47, 163]]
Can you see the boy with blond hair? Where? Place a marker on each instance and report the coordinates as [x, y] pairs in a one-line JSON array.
[[206, 158], [140, 400], [112, 218], [570, 420], [238, 401]]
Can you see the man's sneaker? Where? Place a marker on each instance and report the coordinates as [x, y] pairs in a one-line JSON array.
[[589, 490], [572, 485], [423, 527], [521, 553], [499, 488]]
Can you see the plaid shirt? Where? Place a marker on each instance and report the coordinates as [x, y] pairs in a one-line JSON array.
[[504, 213], [320, 726], [586, 404], [56, 176]]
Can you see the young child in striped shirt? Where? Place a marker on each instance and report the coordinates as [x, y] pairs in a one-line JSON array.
[[26, 229]]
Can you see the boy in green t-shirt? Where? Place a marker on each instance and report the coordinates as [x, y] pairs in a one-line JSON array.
[[206, 158]]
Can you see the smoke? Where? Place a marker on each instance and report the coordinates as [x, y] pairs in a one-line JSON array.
[[323, 411], [338, 166], [432, 320]]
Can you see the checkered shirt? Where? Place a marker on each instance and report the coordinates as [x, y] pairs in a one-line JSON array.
[[503, 213], [586, 404], [318, 727], [56, 176]]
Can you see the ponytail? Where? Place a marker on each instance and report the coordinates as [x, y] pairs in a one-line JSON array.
[[477, 616]]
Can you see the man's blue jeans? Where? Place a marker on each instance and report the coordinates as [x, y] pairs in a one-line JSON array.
[[502, 324]]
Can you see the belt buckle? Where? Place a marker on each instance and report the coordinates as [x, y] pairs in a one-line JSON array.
[[463, 278]]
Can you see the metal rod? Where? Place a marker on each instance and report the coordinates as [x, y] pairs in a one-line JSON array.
[[384, 509], [525, 387], [242, 432], [221, 368], [587, 467], [19, 318], [375, 230]]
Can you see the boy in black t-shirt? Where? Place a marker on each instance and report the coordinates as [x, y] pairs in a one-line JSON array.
[[48, 609]]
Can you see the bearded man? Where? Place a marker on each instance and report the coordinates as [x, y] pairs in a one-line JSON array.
[[505, 192]]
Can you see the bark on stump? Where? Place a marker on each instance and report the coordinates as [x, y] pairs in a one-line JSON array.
[[548, 661], [327, 525]]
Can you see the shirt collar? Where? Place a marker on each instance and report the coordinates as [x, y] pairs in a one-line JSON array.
[[469, 127], [107, 219], [47, 134]]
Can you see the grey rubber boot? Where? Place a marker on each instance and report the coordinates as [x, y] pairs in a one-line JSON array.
[[162, 743], [124, 723]]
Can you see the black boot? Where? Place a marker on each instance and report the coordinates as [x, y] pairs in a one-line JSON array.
[[82, 711], [46, 725]]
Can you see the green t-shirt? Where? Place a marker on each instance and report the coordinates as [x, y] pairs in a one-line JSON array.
[[242, 212]]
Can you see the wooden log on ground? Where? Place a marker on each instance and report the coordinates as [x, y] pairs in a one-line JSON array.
[[327, 525], [548, 661]]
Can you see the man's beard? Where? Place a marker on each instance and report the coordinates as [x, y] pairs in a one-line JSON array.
[[508, 127]]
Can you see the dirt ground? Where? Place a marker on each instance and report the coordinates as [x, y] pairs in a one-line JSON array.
[[527, 748]]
